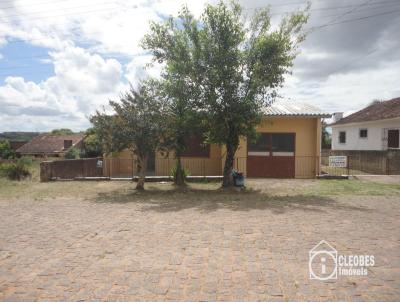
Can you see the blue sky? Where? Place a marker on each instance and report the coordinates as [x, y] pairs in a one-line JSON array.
[[25, 60], [61, 60]]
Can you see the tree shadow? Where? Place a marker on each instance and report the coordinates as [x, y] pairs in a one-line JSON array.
[[209, 200]]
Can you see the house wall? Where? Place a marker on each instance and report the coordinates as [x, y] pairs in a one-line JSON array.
[[374, 141], [119, 165], [308, 141], [197, 166], [308, 137]]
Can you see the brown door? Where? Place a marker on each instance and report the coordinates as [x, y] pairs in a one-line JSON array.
[[393, 139], [272, 156]]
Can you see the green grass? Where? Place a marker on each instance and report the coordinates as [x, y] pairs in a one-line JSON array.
[[354, 187], [32, 189]]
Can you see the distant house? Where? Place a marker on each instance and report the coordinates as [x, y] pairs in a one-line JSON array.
[[288, 146], [375, 127], [15, 145], [51, 145]]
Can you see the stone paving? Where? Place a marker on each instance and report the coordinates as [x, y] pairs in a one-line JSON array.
[[202, 250]]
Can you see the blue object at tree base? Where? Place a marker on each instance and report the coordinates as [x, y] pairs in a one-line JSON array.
[[238, 178]]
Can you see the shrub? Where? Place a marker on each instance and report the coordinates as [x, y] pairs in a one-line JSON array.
[[16, 170], [185, 171], [73, 153], [6, 152]]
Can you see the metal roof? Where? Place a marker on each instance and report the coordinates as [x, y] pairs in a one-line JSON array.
[[290, 108]]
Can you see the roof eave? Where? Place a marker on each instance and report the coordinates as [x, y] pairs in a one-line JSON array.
[[322, 115], [361, 122]]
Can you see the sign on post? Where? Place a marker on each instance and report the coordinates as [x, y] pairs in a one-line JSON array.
[[338, 161]]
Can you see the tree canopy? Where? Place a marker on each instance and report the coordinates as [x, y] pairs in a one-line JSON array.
[[230, 66], [136, 123], [61, 131]]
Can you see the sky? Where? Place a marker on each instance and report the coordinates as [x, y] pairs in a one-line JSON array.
[[61, 60]]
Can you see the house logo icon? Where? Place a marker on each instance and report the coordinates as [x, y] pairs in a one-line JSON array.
[[323, 262]]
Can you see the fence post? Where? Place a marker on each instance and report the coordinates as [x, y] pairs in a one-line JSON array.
[[133, 173], [110, 167], [387, 166], [348, 165], [83, 167], [45, 171]]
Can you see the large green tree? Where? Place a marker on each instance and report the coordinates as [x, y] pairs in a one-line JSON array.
[[181, 120], [6, 152], [136, 123], [62, 131], [233, 65], [93, 145]]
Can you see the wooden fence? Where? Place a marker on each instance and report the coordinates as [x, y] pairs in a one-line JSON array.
[[70, 169]]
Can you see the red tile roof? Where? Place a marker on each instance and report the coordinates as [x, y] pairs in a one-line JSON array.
[[376, 111], [49, 144]]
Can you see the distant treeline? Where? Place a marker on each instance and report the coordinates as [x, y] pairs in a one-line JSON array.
[[18, 136]]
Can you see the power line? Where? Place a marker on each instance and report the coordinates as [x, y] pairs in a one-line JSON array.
[[310, 29], [379, 3], [58, 9], [354, 20], [355, 60], [36, 4], [350, 11], [72, 14], [109, 9]]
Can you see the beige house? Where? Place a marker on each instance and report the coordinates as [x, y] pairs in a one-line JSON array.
[[288, 146]]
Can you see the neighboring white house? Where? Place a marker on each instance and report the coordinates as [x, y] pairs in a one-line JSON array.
[[375, 127]]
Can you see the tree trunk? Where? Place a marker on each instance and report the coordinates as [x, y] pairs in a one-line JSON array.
[[141, 167], [179, 179], [231, 147], [227, 180]]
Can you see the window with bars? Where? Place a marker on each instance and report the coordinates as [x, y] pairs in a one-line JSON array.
[[275, 144]]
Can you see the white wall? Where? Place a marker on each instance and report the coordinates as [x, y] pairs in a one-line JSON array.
[[372, 142]]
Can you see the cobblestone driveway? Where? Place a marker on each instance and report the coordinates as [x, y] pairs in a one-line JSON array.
[[202, 250]]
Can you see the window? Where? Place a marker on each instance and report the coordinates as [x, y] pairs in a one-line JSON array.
[[393, 138], [363, 133], [282, 142], [342, 137], [196, 148], [260, 146], [275, 144]]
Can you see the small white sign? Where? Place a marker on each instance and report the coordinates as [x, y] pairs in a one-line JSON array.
[[338, 161]]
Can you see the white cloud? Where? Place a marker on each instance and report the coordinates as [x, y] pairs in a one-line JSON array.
[[349, 91], [81, 84], [83, 36]]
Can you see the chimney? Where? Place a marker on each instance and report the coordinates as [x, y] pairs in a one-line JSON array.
[[337, 116], [67, 143]]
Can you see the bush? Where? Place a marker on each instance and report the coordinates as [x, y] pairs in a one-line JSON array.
[[185, 172], [73, 153], [6, 152], [16, 170]]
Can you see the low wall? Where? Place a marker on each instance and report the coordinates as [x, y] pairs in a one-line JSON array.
[[372, 162], [70, 169]]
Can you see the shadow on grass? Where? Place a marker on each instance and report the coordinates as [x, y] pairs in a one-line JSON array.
[[209, 200]]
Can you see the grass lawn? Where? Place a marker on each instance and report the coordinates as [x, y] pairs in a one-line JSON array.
[[256, 189]]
